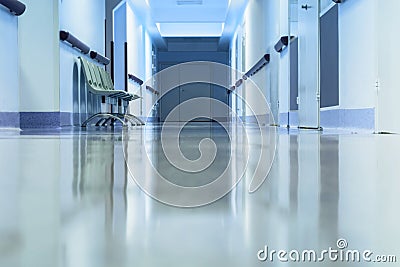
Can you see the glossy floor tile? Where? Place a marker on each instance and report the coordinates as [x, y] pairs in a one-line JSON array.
[[68, 198]]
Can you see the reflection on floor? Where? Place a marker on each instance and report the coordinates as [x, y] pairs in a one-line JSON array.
[[67, 199]]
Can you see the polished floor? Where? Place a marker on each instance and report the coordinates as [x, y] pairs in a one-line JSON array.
[[68, 198]]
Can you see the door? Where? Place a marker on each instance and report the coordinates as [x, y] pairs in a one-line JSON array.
[[190, 111], [329, 58], [308, 29], [170, 99], [220, 109], [388, 42], [193, 91], [174, 100]]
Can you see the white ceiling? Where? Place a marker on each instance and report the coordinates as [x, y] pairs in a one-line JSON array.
[[191, 18], [170, 11]]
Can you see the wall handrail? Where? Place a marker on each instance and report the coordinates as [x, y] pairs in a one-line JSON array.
[[282, 43], [258, 66], [99, 58], [16, 7], [135, 79], [238, 83], [75, 42], [152, 90]]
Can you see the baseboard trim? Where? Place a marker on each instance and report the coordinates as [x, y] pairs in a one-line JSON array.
[[341, 118], [349, 118], [9, 119], [333, 118], [39, 120], [262, 119]]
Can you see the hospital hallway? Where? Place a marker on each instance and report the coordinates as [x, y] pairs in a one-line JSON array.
[[68, 198], [199, 133]]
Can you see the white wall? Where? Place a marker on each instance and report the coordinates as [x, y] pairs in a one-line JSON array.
[[284, 66], [358, 70], [276, 25], [149, 98], [357, 58], [325, 4], [129, 27], [9, 84], [85, 20], [388, 65], [265, 22], [234, 66], [293, 17], [255, 47], [38, 44], [35, 66], [110, 5], [136, 56], [139, 60], [237, 64], [119, 38]]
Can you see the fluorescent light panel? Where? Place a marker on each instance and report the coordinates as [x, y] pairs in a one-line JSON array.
[[189, 2], [190, 29]]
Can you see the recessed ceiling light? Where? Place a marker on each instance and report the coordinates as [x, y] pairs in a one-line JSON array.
[[189, 2], [211, 29]]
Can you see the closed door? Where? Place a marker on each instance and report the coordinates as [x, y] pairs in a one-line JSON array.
[[191, 110], [170, 97], [193, 90], [172, 103], [308, 30], [388, 41], [329, 58]]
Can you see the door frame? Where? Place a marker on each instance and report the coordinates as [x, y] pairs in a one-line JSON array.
[[304, 121]]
